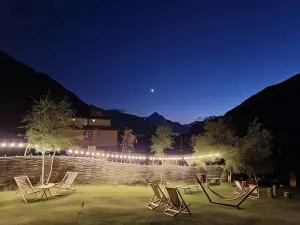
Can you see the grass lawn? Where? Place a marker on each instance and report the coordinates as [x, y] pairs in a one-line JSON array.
[[126, 205]]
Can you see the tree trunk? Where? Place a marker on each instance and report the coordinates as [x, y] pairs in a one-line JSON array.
[[51, 166], [229, 177], [26, 150], [43, 168], [255, 178]]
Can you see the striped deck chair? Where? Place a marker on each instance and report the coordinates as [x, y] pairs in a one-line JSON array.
[[25, 188], [176, 204], [158, 198], [67, 183]]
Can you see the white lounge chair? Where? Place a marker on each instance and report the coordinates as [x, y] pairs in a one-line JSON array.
[[67, 183], [25, 188]]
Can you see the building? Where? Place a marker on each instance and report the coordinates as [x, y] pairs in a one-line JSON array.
[[97, 132]]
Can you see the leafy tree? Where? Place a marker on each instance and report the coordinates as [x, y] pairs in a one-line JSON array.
[[253, 152], [161, 140], [50, 127], [128, 140], [249, 154]]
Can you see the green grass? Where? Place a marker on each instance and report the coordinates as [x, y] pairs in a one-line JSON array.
[[126, 205]]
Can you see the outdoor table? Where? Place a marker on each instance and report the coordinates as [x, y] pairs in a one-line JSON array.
[[216, 179], [45, 188]]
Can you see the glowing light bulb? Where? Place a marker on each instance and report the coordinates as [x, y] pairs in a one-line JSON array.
[[93, 153], [76, 152], [70, 150], [97, 153], [87, 153], [21, 145], [82, 152], [36, 146], [103, 154], [3, 144]]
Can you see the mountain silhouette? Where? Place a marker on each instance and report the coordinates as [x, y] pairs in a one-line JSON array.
[[277, 108], [22, 85]]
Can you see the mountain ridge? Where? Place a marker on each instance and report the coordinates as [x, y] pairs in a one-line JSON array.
[[32, 85]]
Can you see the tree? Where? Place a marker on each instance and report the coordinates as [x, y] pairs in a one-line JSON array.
[[161, 140], [128, 140], [200, 145], [249, 154], [50, 127], [253, 153]]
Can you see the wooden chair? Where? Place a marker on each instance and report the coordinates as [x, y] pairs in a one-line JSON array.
[[25, 188], [158, 198], [176, 204], [239, 189], [67, 183]]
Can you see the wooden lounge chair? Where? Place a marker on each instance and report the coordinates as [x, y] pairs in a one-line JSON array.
[[176, 204], [158, 198], [67, 183], [25, 188], [239, 189]]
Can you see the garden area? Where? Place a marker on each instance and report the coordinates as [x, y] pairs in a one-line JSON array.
[[112, 189], [108, 204]]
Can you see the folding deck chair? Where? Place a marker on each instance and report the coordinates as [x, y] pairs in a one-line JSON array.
[[176, 204], [25, 188], [158, 198], [67, 183], [240, 189]]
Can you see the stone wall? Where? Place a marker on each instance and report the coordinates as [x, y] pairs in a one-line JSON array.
[[92, 171]]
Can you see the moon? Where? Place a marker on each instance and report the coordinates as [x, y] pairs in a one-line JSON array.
[[152, 90]]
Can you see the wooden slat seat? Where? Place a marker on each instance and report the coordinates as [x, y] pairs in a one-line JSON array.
[[25, 188], [67, 183]]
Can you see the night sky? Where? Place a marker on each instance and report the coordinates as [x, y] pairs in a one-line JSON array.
[[201, 57]]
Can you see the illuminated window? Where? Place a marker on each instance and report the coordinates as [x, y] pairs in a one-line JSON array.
[[87, 135]]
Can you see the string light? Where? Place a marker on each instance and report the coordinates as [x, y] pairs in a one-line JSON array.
[[151, 158], [21, 145]]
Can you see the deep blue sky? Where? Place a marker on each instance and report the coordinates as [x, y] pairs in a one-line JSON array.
[[201, 57]]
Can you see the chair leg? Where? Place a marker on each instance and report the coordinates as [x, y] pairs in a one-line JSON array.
[[24, 198], [15, 195], [74, 188]]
